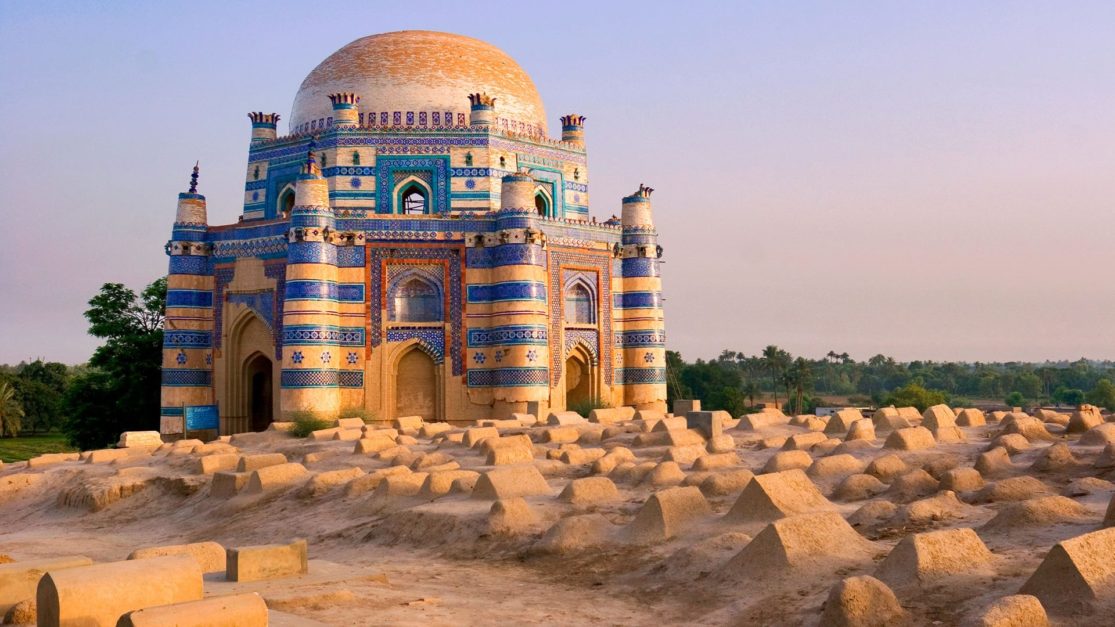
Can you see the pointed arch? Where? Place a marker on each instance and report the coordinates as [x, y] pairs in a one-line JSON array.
[[416, 295], [285, 200], [580, 301], [407, 190], [543, 202], [414, 381], [245, 367]]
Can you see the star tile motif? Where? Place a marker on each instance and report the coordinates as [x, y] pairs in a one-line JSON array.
[[479, 358], [649, 358], [352, 358], [325, 357], [181, 358], [532, 355], [296, 357]]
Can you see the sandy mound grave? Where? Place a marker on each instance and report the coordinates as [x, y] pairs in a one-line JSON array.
[[803, 544], [1018, 610], [667, 513], [858, 487], [910, 439], [931, 557], [777, 495], [576, 533], [1013, 489], [862, 601], [1075, 573], [1042, 511]]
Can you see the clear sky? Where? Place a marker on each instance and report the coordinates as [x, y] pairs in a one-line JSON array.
[[928, 180]]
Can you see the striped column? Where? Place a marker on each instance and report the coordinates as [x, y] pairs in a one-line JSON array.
[[509, 354], [311, 321], [187, 368], [638, 308]]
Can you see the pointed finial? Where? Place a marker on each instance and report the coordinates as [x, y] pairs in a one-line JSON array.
[[193, 178]]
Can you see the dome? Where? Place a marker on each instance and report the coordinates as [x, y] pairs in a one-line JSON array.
[[421, 72]]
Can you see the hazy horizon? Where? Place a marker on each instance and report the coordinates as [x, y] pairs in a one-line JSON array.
[[923, 181]]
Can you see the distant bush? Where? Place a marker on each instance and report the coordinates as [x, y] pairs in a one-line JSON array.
[[366, 415], [306, 422]]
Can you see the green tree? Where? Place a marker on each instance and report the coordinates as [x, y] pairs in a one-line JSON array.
[[1014, 399], [915, 395], [11, 412], [776, 360], [41, 386], [1068, 396], [1103, 394], [121, 390]]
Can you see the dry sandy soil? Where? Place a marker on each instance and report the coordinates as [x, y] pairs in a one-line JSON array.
[[415, 545]]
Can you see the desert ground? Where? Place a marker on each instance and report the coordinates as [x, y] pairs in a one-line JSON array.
[[900, 518]]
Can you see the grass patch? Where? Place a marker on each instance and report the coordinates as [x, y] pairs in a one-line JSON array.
[[367, 415], [585, 407], [306, 422], [21, 449]]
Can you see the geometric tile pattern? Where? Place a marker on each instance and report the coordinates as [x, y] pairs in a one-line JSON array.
[[309, 378], [511, 334], [506, 255], [585, 337], [187, 339], [376, 257], [653, 338], [601, 264], [640, 267], [634, 376], [432, 340], [508, 377], [182, 377], [300, 335]]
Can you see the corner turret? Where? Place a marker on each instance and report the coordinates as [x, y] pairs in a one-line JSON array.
[[264, 126], [483, 110], [345, 112], [573, 129], [517, 191]]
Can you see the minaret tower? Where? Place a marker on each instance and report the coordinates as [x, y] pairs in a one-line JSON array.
[[187, 377], [573, 129], [310, 375], [643, 375], [524, 367]]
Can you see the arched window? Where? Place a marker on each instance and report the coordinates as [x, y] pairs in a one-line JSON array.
[[579, 305], [323, 160], [541, 205], [414, 200], [468, 159], [416, 300], [286, 202]]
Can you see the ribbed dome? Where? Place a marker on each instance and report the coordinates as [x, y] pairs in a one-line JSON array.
[[420, 72]]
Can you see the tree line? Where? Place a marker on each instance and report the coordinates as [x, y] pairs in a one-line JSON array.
[[117, 390], [735, 381]]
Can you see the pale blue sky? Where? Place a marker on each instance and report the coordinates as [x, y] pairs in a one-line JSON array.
[[922, 179]]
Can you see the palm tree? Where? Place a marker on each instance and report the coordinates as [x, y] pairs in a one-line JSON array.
[[749, 390], [11, 411], [802, 377], [771, 357]]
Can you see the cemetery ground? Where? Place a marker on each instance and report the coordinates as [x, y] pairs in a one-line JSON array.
[[899, 518]]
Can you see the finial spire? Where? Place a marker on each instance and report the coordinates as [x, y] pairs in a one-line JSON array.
[[193, 178]]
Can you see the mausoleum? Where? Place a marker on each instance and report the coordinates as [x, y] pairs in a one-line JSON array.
[[415, 244]]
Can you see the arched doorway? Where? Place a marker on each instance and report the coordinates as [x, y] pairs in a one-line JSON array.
[[257, 382], [578, 379], [416, 385]]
